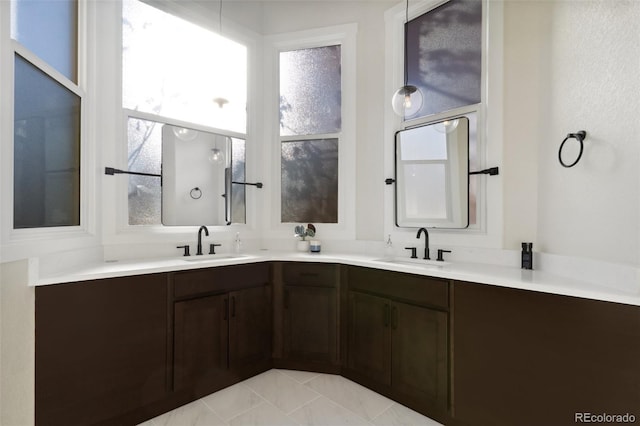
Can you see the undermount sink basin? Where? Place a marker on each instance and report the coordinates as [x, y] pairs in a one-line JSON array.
[[414, 262], [212, 257]]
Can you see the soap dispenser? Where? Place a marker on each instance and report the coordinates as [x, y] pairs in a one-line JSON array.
[[389, 251], [238, 244], [527, 256]]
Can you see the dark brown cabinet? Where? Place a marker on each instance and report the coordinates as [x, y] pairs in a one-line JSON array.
[[222, 326], [310, 313], [529, 358], [123, 350], [101, 349], [398, 337]]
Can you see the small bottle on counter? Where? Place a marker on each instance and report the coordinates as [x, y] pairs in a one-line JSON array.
[[238, 243], [315, 246], [389, 251], [527, 256]]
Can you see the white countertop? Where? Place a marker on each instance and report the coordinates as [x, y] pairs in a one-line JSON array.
[[497, 275]]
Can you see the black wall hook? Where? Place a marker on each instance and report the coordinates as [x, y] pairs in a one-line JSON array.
[[579, 136]]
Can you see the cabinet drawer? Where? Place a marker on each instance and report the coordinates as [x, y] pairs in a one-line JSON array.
[[310, 274], [416, 289], [220, 279]]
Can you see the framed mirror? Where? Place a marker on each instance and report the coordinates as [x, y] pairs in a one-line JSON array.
[[432, 175], [194, 177]]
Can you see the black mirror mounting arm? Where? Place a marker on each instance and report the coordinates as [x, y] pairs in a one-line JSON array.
[[493, 171]]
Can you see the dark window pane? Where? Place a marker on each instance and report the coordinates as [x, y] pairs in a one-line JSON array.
[[310, 91], [46, 150], [444, 56], [145, 156], [310, 181], [50, 30]]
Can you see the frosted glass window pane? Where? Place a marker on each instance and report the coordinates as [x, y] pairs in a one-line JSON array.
[[310, 181], [310, 91], [425, 191], [238, 174], [444, 55], [46, 150], [145, 155], [176, 69], [50, 30]]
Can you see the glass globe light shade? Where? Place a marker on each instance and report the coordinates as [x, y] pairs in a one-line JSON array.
[[185, 134], [446, 126], [216, 157], [407, 101]]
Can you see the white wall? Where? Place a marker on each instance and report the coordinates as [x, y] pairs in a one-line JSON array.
[[17, 353], [569, 66]]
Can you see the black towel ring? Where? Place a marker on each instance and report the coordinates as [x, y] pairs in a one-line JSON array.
[[195, 193], [579, 136]]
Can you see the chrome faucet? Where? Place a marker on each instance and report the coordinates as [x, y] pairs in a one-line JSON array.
[[426, 242], [206, 232]]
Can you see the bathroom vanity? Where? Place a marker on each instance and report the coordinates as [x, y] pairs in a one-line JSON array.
[[124, 349]]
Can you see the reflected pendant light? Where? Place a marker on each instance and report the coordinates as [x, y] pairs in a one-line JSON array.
[[407, 100]]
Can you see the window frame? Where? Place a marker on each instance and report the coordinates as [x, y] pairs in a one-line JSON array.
[[345, 36], [487, 230], [117, 228], [17, 241]]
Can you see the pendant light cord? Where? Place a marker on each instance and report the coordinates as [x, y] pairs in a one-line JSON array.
[[406, 38], [220, 17]]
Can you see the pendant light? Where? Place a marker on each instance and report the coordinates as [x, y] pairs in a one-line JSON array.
[[220, 100], [407, 100]]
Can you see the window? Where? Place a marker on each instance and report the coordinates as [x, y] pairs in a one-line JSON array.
[[444, 60], [310, 126], [444, 56], [47, 114], [177, 73]]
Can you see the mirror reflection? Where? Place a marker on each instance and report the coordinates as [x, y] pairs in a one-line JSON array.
[[432, 175]]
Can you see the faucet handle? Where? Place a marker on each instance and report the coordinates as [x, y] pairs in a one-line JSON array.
[[440, 253], [414, 254], [212, 248], [186, 250]]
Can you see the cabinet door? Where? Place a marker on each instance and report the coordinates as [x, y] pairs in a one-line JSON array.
[[101, 349], [200, 341], [369, 352], [419, 356], [528, 358], [249, 326], [310, 323]]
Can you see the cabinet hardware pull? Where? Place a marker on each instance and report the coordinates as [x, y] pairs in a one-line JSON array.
[[233, 306], [386, 315], [394, 317]]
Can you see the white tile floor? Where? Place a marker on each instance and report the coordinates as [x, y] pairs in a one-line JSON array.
[[287, 397]]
